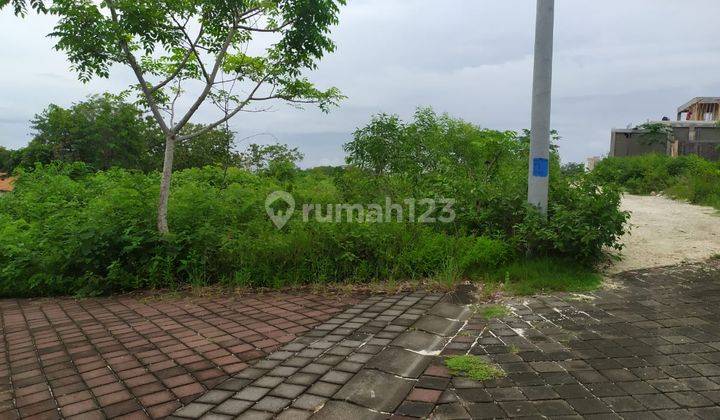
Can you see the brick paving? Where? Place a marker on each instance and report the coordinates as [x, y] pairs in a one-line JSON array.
[[135, 358], [304, 374], [646, 346]]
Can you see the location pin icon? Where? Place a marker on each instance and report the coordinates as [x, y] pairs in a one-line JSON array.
[[279, 218]]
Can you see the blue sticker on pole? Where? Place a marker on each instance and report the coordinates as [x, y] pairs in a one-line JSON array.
[[540, 167]]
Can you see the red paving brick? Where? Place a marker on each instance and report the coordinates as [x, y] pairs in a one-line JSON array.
[[129, 357]]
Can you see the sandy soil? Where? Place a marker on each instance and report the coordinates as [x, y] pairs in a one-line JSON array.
[[666, 232]]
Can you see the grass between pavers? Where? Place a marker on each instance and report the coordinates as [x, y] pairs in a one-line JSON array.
[[473, 367], [493, 311], [526, 277], [522, 277]]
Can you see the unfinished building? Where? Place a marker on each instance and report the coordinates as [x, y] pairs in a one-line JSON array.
[[696, 131]]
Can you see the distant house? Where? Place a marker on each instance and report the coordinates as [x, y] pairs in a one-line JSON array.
[[6, 183], [696, 131], [592, 162]]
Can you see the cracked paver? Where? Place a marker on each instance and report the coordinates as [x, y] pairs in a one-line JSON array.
[[645, 346]]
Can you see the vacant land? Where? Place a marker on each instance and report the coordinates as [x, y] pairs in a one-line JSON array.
[[666, 232]]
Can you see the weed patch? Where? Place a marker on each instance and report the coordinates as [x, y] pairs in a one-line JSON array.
[[473, 367], [690, 177], [527, 277], [493, 311]]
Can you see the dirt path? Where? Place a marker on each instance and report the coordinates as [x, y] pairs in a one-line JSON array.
[[666, 232]]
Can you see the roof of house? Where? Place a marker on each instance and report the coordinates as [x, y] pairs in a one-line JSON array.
[[699, 100], [674, 124], [6, 184]]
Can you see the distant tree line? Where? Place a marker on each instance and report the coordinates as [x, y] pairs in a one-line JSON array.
[[105, 131]]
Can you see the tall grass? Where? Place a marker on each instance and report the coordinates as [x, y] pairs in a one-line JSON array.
[[690, 178]]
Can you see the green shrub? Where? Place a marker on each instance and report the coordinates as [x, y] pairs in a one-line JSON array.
[[529, 276], [68, 229], [65, 230], [690, 177], [583, 220]]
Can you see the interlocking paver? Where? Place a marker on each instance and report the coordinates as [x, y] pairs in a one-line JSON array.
[[438, 325], [342, 410], [376, 390], [649, 347], [400, 362], [645, 349], [138, 357]]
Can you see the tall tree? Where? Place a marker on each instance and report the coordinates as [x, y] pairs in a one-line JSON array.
[[258, 157], [5, 160], [103, 131], [196, 52]]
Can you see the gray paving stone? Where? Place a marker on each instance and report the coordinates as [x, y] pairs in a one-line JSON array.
[[554, 408], [233, 407], [437, 325], [419, 340], [650, 346], [294, 414], [272, 404], [400, 362], [376, 390], [251, 373], [316, 368], [324, 389], [233, 384], [251, 393], [450, 411], [336, 377], [194, 410], [353, 367], [283, 371], [215, 416], [451, 311], [268, 381], [215, 396], [309, 402], [335, 410], [689, 399], [280, 355], [255, 415], [415, 409], [288, 391], [303, 379]]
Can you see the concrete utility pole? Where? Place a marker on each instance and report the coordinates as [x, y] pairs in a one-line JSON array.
[[540, 125]]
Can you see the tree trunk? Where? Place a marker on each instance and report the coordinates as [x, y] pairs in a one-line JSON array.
[[162, 223]]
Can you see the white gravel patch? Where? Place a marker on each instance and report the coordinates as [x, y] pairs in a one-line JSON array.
[[667, 232]]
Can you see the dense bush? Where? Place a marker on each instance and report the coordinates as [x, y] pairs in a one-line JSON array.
[[69, 229], [688, 177], [65, 230], [106, 131], [485, 171]]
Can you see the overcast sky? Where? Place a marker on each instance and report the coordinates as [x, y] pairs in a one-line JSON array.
[[616, 63]]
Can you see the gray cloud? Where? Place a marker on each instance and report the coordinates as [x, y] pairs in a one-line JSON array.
[[616, 63]]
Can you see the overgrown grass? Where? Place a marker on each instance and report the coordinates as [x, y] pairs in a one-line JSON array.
[[526, 277], [68, 229], [690, 178], [473, 367], [493, 311]]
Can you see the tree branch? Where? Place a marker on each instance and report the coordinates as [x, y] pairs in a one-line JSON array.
[[144, 85], [208, 86], [228, 115], [193, 48], [253, 29], [295, 101]]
